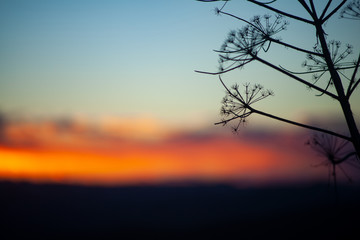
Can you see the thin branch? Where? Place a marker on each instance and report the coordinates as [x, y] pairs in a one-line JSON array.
[[227, 89], [295, 48], [223, 5], [352, 90], [296, 77], [286, 121], [221, 72], [348, 94], [325, 9], [335, 185], [314, 71], [344, 75], [346, 157], [313, 9], [225, 121], [302, 2], [233, 51], [326, 88], [211, 0], [241, 19], [346, 175], [252, 110], [333, 11], [353, 164], [281, 12], [300, 124]]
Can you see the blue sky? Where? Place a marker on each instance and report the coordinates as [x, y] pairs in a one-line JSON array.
[[136, 58]]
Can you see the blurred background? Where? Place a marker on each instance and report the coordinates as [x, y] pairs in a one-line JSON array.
[[105, 94]]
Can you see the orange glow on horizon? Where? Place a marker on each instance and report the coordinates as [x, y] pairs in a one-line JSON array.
[[216, 160], [70, 153]]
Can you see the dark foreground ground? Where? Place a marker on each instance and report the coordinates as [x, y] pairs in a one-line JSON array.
[[192, 212]]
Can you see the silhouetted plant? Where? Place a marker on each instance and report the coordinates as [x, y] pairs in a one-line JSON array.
[[332, 74], [335, 152], [352, 10], [238, 106]]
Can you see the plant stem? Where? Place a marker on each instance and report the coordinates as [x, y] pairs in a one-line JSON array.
[[343, 100], [300, 124]]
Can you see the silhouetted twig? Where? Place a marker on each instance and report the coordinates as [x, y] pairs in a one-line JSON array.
[[327, 60], [335, 151]]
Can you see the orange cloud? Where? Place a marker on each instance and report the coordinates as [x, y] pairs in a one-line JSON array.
[[133, 128], [106, 154]]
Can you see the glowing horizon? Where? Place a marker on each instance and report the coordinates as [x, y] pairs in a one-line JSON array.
[[74, 154], [110, 86]]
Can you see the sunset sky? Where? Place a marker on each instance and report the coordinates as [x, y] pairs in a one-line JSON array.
[[106, 92]]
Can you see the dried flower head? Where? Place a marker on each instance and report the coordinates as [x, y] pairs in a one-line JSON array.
[[351, 11], [330, 147], [243, 45], [318, 66], [236, 105], [334, 150]]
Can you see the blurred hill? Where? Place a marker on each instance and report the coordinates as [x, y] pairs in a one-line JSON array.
[[177, 212]]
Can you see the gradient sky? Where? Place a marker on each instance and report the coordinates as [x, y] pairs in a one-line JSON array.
[[112, 83], [137, 58]]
